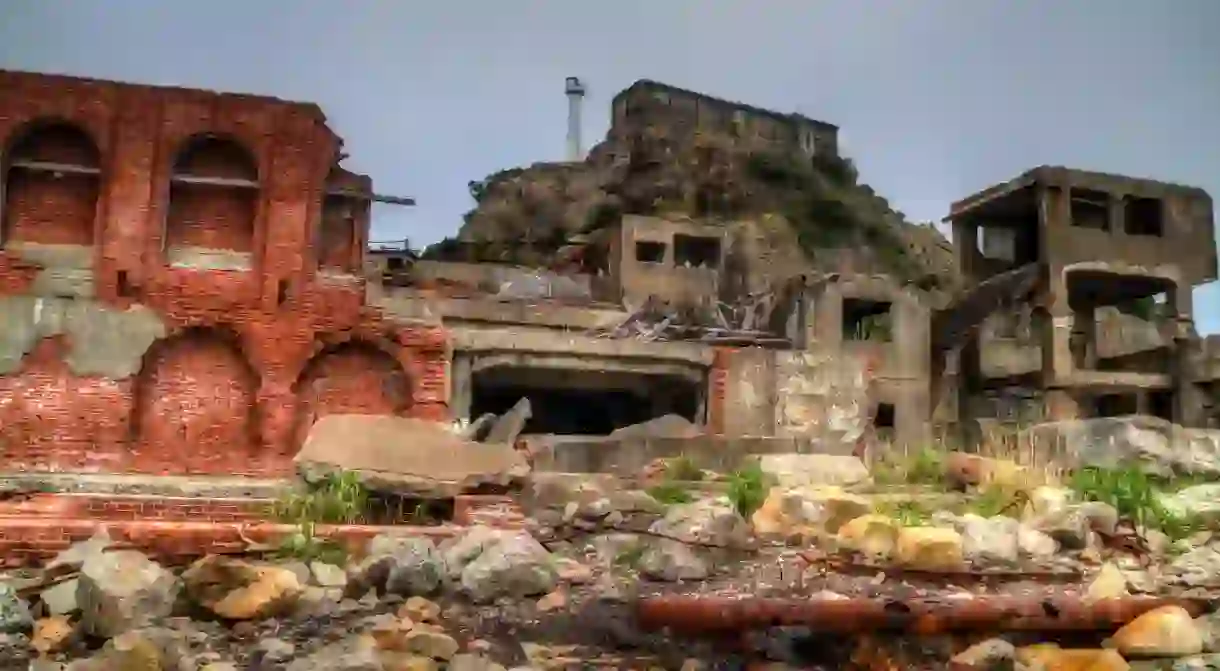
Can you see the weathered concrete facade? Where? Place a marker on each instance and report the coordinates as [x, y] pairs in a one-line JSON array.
[[180, 285], [1108, 328], [654, 103]]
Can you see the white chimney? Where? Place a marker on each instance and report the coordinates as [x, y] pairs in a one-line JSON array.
[[575, 90]]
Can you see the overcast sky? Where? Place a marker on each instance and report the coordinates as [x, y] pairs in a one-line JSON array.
[[936, 98]]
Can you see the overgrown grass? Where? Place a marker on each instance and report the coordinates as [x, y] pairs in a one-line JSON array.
[[924, 466], [338, 498], [1136, 496], [670, 493], [748, 489], [905, 513], [683, 469]]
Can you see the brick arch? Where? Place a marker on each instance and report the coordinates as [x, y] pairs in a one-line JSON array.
[[51, 184], [352, 377], [213, 196], [194, 405]]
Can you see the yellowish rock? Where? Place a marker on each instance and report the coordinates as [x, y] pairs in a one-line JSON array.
[[1110, 583], [871, 535], [810, 511], [929, 548], [1053, 658], [390, 634], [401, 661], [1168, 631], [238, 590], [419, 609], [52, 634]]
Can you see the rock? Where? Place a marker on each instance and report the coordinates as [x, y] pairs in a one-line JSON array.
[[75, 556], [990, 540], [273, 651], [52, 634], [404, 565], [15, 615], [808, 512], [480, 427], [803, 470], [468, 662], [327, 575], [419, 609], [123, 590], [928, 548], [431, 643], [1110, 583], [238, 590], [396, 661], [870, 535], [1034, 543], [1046, 501], [1202, 501], [665, 426], [60, 599], [509, 425], [973, 470], [356, 653], [1168, 631], [708, 521], [515, 566], [1154, 445], [144, 649], [1050, 657], [457, 552], [406, 456], [671, 561], [994, 654], [553, 601], [572, 571], [1197, 567], [1073, 526]]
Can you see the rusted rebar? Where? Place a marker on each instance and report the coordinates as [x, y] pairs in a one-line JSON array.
[[696, 615]]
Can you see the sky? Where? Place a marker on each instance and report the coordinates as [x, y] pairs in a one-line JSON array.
[[936, 99]]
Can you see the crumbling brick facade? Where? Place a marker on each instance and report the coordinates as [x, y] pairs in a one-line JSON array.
[[225, 218]]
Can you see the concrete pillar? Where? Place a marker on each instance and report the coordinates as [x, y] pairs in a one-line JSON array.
[[1055, 332], [1060, 404], [1084, 338], [461, 386]]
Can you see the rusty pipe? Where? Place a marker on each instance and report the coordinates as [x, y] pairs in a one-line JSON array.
[[715, 616]]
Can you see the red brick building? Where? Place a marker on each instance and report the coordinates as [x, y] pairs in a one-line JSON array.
[[224, 225]]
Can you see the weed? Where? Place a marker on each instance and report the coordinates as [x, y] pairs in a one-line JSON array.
[[1136, 496], [670, 493], [922, 467], [339, 498], [630, 557], [997, 500], [906, 513], [748, 489], [683, 469]]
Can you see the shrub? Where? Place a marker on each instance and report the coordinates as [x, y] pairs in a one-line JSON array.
[[748, 489]]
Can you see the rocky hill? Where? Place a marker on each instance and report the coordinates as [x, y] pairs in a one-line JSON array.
[[523, 215]]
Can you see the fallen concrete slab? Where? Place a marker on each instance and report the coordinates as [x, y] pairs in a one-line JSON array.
[[407, 457]]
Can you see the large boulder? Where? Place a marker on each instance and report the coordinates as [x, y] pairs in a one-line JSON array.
[[404, 456], [238, 590], [404, 565], [800, 470], [1154, 445], [119, 591], [491, 563]]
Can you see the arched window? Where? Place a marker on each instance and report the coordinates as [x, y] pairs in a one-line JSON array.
[[52, 179], [213, 204]]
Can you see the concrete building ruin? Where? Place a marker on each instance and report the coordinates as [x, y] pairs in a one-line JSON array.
[[1108, 264], [186, 284]]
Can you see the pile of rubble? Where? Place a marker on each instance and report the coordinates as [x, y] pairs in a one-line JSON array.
[[604, 564]]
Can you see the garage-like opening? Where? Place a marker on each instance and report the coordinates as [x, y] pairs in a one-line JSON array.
[[577, 402], [865, 319]]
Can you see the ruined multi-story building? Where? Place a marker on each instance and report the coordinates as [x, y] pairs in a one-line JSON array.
[[181, 287], [1109, 264]]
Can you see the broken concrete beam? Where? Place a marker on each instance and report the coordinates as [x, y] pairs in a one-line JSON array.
[[510, 424], [480, 428], [407, 457]]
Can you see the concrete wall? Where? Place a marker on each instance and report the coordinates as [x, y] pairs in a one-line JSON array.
[[666, 278], [123, 347]]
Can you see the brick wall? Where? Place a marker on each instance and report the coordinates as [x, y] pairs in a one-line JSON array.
[[249, 355]]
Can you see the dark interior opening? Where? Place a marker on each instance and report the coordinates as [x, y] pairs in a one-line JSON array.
[[649, 252], [1090, 209], [1160, 404], [866, 320], [696, 251], [395, 263], [1115, 405], [1143, 216], [590, 403]]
